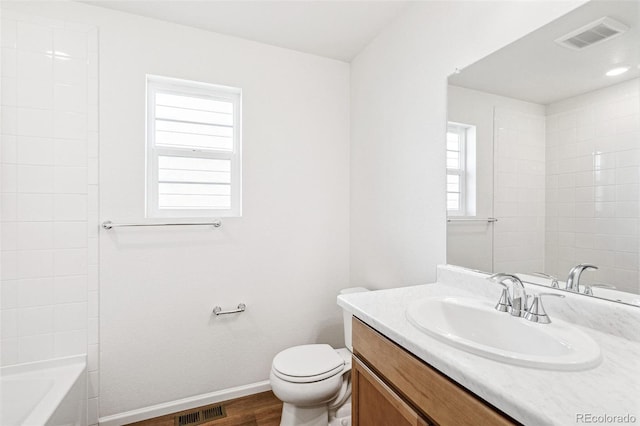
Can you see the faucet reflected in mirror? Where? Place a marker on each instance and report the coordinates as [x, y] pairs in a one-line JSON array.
[[573, 281], [552, 155]]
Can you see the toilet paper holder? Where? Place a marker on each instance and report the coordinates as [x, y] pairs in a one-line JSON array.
[[218, 310]]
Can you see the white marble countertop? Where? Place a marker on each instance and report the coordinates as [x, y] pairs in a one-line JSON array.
[[532, 396]]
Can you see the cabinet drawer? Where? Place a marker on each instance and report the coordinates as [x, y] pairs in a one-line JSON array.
[[439, 398]]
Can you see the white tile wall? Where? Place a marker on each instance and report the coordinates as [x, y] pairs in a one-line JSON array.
[[48, 158], [593, 192], [519, 182]]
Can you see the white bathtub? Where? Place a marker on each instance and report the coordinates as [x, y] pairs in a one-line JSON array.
[[47, 393]]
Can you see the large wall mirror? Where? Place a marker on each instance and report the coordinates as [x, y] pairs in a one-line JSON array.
[[543, 154]]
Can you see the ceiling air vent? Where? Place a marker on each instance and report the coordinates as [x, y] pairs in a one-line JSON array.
[[596, 32]]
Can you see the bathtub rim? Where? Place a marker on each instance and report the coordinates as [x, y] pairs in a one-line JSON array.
[[73, 367]]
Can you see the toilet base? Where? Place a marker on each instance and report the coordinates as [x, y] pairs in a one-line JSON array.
[[304, 416], [341, 416], [316, 416]]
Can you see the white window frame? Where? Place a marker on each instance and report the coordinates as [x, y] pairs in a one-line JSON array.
[[461, 131], [158, 84]]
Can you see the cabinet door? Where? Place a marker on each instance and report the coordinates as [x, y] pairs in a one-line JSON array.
[[437, 397], [376, 404]]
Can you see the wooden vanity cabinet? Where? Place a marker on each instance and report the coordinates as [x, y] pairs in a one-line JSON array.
[[375, 403], [391, 387]]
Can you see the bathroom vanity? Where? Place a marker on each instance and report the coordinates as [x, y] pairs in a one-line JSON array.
[[404, 376], [393, 387]]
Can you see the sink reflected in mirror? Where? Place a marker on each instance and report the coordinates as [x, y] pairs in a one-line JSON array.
[[475, 326]]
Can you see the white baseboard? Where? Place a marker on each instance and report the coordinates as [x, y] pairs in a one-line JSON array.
[[184, 404]]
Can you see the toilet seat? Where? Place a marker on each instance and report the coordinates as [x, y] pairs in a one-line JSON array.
[[307, 363]]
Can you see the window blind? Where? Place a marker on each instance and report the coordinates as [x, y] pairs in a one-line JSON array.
[[192, 122], [455, 168], [194, 183]]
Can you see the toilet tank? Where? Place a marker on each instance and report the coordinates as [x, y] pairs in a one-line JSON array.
[[346, 316]]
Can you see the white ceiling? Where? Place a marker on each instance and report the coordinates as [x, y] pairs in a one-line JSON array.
[[335, 29], [536, 69]]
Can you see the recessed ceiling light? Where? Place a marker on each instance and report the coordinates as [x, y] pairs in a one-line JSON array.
[[617, 71]]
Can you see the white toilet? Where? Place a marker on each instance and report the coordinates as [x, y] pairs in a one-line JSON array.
[[314, 381]]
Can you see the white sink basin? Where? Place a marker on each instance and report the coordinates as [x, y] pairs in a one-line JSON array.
[[475, 326]]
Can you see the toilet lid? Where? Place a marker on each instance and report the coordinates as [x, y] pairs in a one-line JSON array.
[[307, 363]]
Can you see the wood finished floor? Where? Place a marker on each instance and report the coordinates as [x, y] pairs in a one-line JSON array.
[[261, 409]]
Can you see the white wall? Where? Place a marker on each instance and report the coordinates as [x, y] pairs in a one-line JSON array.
[[514, 153], [286, 258], [593, 191], [398, 116]]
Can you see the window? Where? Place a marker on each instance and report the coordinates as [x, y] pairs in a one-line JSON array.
[[460, 169], [193, 149]]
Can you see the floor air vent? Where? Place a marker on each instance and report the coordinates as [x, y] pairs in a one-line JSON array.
[[592, 34], [211, 413], [200, 415], [188, 419]]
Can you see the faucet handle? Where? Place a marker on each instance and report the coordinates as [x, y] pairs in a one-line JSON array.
[[504, 303], [536, 312], [588, 288], [554, 280]]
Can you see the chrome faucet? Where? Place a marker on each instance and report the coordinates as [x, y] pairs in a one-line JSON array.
[[573, 282], [518, 298]]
